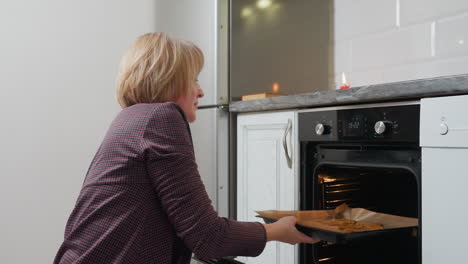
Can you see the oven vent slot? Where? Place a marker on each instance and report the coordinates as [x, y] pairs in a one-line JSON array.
[[365, 147], [341, 147], [392, 147]]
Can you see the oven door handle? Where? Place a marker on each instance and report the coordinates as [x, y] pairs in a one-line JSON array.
[[285, 143]]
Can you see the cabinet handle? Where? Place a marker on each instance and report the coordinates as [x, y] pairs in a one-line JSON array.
[[285, 143]]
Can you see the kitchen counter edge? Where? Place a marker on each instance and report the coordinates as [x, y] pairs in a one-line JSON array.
[[406, 90]]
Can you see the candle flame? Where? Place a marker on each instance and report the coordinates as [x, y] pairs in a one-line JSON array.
[[275, 87], [343, 78]]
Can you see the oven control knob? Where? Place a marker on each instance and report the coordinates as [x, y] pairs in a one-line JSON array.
[[444, 129], [321, 129], [380, 127]]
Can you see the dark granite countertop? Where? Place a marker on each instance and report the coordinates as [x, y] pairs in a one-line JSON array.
[[415, 89]]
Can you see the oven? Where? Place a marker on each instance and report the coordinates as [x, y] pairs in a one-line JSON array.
[[367, 157]]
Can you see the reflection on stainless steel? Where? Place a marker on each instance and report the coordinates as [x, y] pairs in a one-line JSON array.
[[343, 191], [326, 259], [299, 58], [263, 3], [246, 12], [338, 201], [343, 184]]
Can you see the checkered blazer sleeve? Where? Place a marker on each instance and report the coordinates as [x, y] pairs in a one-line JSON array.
[[170, 161]]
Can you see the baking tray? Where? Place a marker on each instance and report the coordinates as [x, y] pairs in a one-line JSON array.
[[345, 238]]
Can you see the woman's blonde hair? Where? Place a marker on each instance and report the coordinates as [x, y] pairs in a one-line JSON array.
[[157, 69]]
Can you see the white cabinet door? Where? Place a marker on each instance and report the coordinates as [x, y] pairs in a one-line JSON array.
[[444, 142], [265, 178]]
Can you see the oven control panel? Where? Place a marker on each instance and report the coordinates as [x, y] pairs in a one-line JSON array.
[[389, 123]]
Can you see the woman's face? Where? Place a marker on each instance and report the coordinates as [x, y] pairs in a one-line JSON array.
[[189, 102]]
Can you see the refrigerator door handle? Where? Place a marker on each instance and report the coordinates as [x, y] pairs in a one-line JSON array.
[[285, 143], [222, 107]]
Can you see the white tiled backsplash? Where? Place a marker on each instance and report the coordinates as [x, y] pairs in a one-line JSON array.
[[382, 41]]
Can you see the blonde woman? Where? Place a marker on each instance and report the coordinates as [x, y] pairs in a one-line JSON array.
[[143, 200]]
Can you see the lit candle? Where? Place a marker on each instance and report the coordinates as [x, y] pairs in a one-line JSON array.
[[343, 80], [275, 87]]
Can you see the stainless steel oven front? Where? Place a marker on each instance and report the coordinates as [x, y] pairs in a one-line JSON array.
[[369, 157]]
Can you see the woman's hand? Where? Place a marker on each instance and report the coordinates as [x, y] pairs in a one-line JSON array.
[[284, 230]]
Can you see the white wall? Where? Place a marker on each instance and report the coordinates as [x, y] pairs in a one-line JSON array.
[[396, 40], [58, 61]]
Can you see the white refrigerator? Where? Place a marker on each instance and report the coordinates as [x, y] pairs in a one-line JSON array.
[[196, 21]]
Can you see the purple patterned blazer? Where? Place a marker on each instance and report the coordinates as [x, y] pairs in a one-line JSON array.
[[143, 200]]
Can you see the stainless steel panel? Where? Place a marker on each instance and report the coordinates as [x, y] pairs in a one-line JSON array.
[[280, 45], [204, 22], [210, 139]]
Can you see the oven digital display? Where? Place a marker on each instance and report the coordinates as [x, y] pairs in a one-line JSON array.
[[354, 126]]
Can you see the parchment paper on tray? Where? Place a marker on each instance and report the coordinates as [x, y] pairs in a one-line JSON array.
[[313, 222]]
